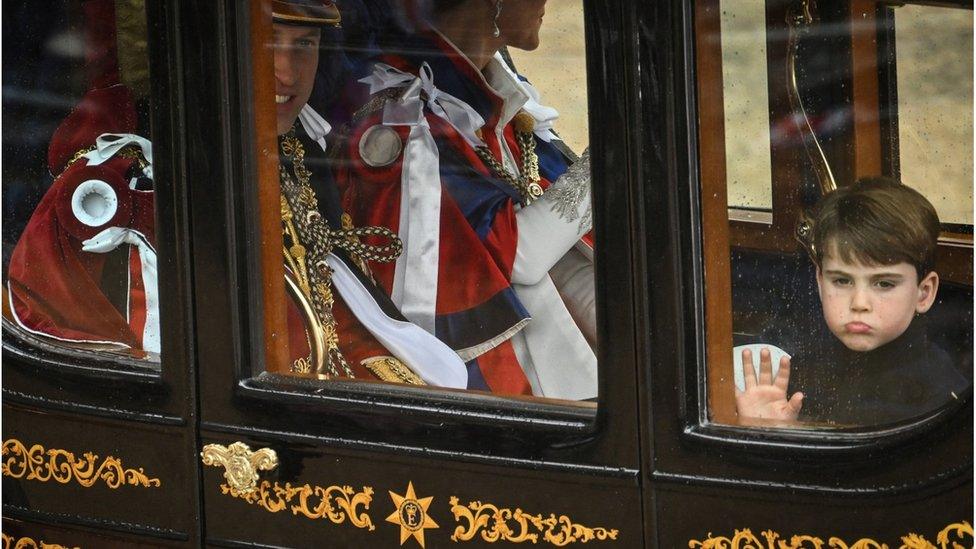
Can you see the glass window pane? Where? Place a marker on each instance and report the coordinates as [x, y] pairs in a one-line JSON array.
[[746, 105], [851, 321], [935, 95], [562, 80], [436, 222], [79, 252]]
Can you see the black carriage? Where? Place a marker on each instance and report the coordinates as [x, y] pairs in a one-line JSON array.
[[711, 125]]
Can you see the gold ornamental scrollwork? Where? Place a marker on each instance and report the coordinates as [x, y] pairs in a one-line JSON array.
[[495, 524], [334, 503], [240, 464], [43, 465], [958, 530], [10, 542], [745, 539]]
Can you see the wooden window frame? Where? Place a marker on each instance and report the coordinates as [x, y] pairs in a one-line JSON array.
[[870, 155], [247, 387]]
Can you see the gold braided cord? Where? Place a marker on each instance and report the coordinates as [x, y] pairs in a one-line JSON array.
[[308, 241], [348, 240], [307, 232]]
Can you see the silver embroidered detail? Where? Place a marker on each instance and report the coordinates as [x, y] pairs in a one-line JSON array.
[[571, 190]]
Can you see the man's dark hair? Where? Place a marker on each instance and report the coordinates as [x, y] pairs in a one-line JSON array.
[[876, 221]]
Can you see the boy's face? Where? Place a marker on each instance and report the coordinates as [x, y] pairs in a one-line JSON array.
[[296, 57], [866, 306]]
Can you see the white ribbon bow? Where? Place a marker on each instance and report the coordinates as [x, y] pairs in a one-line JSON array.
[[109, 144], [408, 110]]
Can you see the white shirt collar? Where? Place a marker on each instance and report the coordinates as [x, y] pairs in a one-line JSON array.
[[315, 126]]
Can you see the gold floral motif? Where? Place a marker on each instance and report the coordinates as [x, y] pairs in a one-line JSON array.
[[9, 542], [335, 503], [745, 539], [501, 524], [37, 463]]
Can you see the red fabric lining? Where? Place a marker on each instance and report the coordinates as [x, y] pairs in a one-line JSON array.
[[501, 371]]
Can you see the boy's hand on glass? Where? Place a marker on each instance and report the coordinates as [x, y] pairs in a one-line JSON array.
[[765, 397]]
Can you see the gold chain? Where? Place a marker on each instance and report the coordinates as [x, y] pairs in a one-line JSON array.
[[308, 235], [311, 240], [527, 184], [132, 152]]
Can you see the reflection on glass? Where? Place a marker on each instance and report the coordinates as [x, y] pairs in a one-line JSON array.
[[935, 97], [744, 79], [79, 240], [444, 239]]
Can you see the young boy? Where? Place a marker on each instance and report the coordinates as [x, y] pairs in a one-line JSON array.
[[874, 247]]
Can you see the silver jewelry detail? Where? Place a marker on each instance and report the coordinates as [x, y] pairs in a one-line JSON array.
[[498, 11], [571, 190]]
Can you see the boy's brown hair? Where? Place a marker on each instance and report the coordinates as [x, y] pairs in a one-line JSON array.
[[875, 221]]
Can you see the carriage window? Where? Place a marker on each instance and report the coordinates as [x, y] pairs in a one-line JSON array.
[[934, 96], [435, 216], [849, 303], [79, 257]]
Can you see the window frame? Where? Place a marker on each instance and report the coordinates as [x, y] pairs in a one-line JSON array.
[[709, 358], [955, 258], [106, 383], [239, 397]]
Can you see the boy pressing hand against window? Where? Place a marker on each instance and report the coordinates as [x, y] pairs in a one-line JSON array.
[[874, 246]]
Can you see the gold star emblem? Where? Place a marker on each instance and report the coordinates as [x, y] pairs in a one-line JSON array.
[[411, 515]]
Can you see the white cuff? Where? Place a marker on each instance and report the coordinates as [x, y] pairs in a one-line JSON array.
[[550, 226]]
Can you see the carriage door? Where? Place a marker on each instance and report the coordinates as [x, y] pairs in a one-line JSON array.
[[783, 104], [98, 404], [305, 449]]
